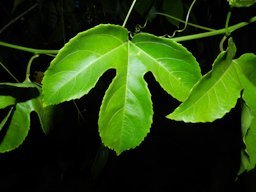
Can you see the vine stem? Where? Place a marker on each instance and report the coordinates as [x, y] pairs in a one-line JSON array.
[[227, 32], [129, 12], [28, 49], [213, 33], [29, 67]]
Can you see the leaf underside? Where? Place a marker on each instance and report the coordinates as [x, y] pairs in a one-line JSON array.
[[126, 112]]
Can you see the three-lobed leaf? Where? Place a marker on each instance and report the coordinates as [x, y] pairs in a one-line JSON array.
[[126, 113]]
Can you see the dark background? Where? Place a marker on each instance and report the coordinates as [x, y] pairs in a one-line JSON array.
[[174, 156]]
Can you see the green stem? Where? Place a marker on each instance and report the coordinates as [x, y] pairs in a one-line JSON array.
[[129, 12], [28, 49], [29, 67], [227, 23], [213, 33]]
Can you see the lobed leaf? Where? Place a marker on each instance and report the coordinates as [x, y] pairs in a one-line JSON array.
[[126, 113], [15, 125]]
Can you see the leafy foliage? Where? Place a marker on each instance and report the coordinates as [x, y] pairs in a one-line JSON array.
[[241, 3], [21, 99], [246, 65], [126, 112]]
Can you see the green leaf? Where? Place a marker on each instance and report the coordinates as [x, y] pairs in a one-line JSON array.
[[15, 125], [126, 112], [4, 121], [246, 67], [241, 3], [6, 101], [215, 94], [17, 131], [248, 153], [45, 114], [20, 91], [173, 8]]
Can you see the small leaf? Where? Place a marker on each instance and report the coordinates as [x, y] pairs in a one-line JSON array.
[[16, 132], [214, 95], [126, 112], [173, 8], [248, 154], [246, 68], [4, 121], [15, 126], [241, 3], [6, 101], [45, 114]]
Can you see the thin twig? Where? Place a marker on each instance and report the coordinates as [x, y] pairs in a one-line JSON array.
[[18, 17], [129, 12], [9, 72], [29, 66]]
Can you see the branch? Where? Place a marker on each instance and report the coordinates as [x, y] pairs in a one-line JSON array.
[[213, 33]]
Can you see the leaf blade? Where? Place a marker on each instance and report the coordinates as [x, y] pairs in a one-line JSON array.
[[124, 124], [16, 133], [78, 59], [210, 99], [246, 67], [174, 67], [6, 101]]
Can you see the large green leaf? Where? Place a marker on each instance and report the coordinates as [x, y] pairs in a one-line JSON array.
[[246, 67], [215, 94], [15, 126], [126, 112]]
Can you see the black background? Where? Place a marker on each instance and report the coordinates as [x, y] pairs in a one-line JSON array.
[[173, 157]]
